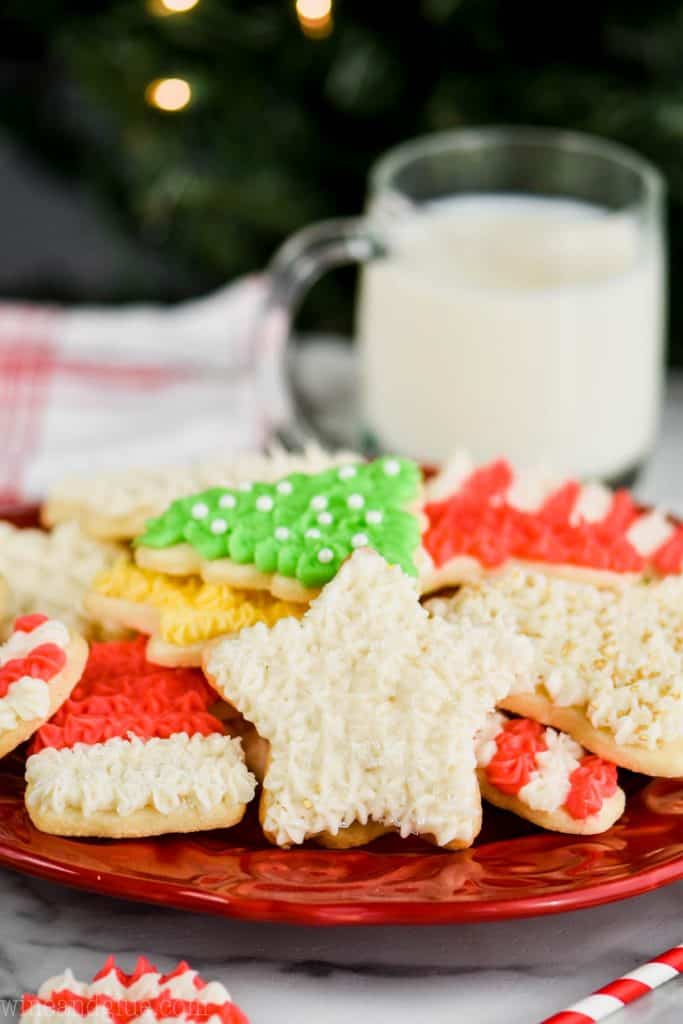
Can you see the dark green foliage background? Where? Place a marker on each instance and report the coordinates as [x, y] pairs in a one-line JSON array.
[[283, 128]]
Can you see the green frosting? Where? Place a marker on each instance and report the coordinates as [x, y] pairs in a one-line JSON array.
[[303, 525]]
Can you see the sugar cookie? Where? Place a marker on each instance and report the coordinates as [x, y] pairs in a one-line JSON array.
[[116, 505], [180, 614], [484, 519], [40, 663], [291, 536], [135, 752], [113, 997], [50, 573], [608, 662], [370, 707], [546, 777]]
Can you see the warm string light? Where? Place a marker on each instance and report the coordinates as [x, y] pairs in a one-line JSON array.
[[169, 94], [315, 17], [164, 7]]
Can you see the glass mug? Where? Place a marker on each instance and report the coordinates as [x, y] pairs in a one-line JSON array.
[[512, 301]]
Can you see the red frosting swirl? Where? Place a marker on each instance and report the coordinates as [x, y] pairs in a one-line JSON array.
[[477, 521], [517, 744], [591, 783], [121, 692]]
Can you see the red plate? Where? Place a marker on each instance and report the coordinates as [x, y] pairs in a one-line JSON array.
[[514, 870]]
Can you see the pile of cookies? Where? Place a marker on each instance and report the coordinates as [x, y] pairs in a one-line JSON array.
[[368, 651]]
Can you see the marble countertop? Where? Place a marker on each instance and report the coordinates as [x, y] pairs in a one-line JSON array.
[[515, 972]]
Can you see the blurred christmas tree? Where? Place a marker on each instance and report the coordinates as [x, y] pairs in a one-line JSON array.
[[283, 122]]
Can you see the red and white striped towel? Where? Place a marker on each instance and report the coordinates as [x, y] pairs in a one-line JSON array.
[[90, 387]]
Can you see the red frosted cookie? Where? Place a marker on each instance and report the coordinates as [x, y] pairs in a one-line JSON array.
[[546, 777], [482, 518], [125, 998], [40, 663], [135, 751]]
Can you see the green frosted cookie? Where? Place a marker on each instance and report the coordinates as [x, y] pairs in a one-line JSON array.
[[303, 525]]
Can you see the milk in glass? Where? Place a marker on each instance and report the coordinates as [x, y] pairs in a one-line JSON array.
[[524, 326]]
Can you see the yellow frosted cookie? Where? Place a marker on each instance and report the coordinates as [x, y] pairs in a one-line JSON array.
[[179, 614]]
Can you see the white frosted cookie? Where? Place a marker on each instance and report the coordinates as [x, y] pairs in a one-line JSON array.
[[608, 662], [146, 995], [180, 614], [483, 520], [40, 663], [546, 777], [136, 751], [370, 707], [116, 505], [50, 572]]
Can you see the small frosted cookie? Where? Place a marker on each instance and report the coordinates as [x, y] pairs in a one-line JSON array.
[[483, 519], [136, 751], [546, 777], [370, 707], [116, 505], [608, 662], [146, 995], [40, 663], [180, 614], [291, 536], [50, 572]]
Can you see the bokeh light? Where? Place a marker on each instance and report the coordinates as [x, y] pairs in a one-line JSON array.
[[315, 17], [169, 94]]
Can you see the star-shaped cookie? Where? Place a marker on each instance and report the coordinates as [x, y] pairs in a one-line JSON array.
[[370, 706]]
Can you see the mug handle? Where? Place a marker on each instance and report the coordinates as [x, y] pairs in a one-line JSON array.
[[295, 267]]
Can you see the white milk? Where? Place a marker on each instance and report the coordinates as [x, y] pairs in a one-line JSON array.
[[529, 327]]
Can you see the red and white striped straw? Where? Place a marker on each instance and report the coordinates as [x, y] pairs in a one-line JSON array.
[[623, 991]]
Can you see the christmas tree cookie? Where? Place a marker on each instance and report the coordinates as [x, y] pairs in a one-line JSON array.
[[290, 536]]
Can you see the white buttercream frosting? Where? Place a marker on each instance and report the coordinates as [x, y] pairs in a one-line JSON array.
[[126, 775], [26, 699], [148, 986], [19, 644], [648, 532], [616, 654]]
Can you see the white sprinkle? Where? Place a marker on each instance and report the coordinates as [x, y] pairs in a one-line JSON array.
[[359, 540], [246, 486], [325, 555], [200, 510], [373, 516], [284, 487], [325, 518], [313, 533], [319, 502], [392, 467], [355, 501], [281, 533], [219, 526], [227, 501], [264, 503], [346, 472]]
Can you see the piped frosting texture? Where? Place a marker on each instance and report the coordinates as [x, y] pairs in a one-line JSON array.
[[304, 525]]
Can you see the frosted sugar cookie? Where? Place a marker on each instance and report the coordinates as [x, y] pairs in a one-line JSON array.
[[482, 519], [291, 536], [40, 663], [146, 995], [116, 505], [546, 777], [608, 662], [135, 752], [50, 572], [180, 614], [370, 707]]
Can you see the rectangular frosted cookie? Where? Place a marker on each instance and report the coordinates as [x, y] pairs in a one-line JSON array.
[[135, 751], [608, 662]]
